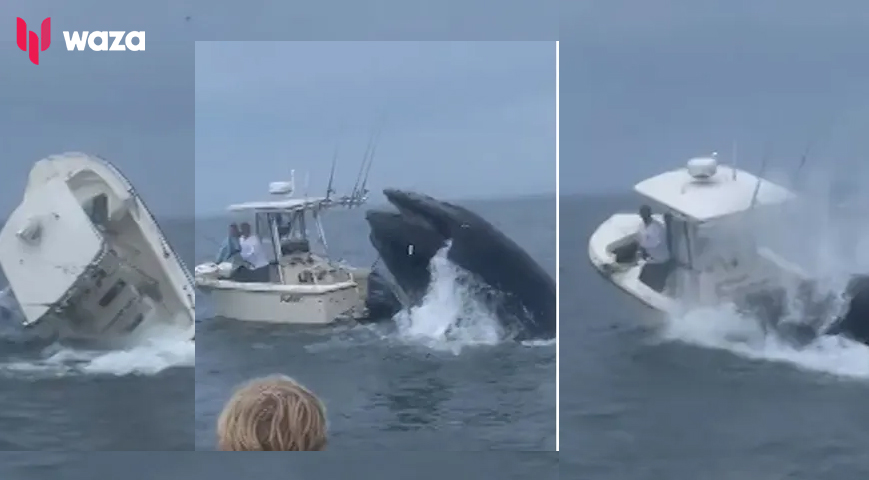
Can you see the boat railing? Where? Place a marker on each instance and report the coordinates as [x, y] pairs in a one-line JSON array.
[[164, 243]]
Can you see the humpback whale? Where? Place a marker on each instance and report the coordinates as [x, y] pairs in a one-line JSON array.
[[408, 239], [814, 305], [854, 324]]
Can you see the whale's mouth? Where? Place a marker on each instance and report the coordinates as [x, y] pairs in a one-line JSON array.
[[429, 245], [418, 208], [419, 228], [406, 241]]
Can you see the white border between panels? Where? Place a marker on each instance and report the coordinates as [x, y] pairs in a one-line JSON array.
[[557, 264]]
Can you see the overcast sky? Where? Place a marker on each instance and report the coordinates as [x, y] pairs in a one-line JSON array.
[[463, 119], [644, 86], [136, 108], [647, 85]]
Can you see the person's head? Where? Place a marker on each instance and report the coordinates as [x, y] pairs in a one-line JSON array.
[[646, 214], [273, 413], [245, 229], [233, 230]]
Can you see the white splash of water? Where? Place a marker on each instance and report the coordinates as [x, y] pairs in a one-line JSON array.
[[149, 358], [827, 239], [450, 317], [159, 350], [725, 329]]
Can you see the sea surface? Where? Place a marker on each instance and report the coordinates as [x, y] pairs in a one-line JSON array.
[[705, 397], [360, 464], [391, 388], [59, 400]]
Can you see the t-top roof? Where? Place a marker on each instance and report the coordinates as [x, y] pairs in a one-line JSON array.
[[717, 196], [282, 205]]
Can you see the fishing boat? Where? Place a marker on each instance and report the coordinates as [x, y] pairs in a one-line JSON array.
[[86, 259], [711, 214], [304, 286], [707, 211]]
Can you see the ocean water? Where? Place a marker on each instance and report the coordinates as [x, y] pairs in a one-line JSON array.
[[385, 389], [434, 465], [397, 388], [60, 400], [705, 397]]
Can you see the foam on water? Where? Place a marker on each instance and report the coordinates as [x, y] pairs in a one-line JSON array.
[[829, 242], [725, 329], [450, 316], [160, 350], [145, 359]]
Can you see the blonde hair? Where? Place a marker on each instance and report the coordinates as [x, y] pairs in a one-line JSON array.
[[273, 413]]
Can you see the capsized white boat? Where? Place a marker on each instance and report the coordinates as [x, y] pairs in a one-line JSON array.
[[707, 210], [86, 260], [304, 286]]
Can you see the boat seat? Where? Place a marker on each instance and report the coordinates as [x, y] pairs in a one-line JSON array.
[[98, 209], [289, 247], [626, 252], [306, 276], [274, 273]]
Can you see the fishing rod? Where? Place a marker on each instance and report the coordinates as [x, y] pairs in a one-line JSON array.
[[822, 133], [363, 189], [763, 164], [330, 187], [362, 165], [359, 187]]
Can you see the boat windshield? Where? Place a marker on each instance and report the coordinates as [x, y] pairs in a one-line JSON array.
[[282, 234], [723, 244], [266, 233], [679, 233]]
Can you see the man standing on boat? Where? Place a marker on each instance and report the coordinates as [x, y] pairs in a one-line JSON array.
[[257, 268], [654, 249], [230, 246]]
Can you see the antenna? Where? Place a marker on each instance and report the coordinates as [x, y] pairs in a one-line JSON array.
[[733, 159], [759, 177], [329, 189], [803, 160], [307, 178]]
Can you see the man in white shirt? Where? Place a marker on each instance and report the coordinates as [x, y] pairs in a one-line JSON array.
[[654, 249], [252, 253]]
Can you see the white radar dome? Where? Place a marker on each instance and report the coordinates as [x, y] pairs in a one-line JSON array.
[[281, 188], [702, 168]]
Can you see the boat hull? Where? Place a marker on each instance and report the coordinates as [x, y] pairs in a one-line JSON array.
[[620, 230], [769, 304], [86, 259], [269, 303]]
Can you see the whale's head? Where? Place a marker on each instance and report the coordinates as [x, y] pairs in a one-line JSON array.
[[408, 238]]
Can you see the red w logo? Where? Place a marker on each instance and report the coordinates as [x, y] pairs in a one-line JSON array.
[[21, 33]]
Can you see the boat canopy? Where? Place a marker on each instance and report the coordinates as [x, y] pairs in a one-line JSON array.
[[284, 205], [713, 192]]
